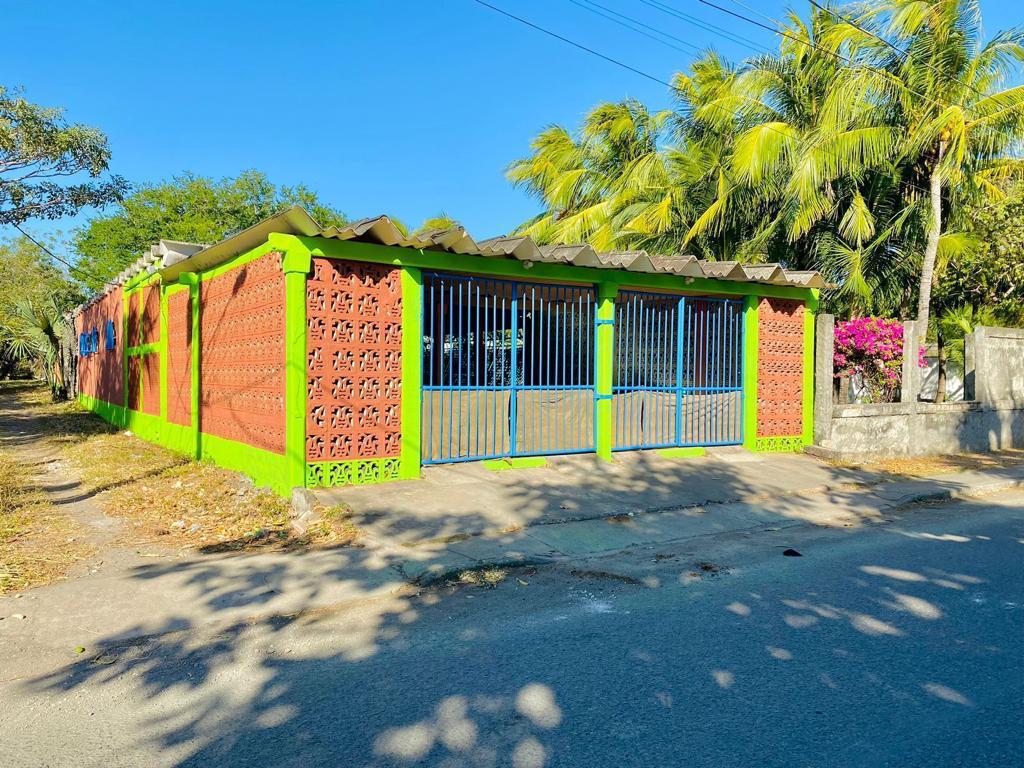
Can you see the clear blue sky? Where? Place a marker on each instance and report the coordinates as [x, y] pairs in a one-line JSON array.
[[406, 108]]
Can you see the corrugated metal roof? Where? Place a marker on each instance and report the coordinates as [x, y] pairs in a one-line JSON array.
[[383, 231], [172, 258]]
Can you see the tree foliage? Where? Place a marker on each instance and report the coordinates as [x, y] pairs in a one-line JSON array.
[[50, 168], [35, 297], [854, 149], [189, 208]]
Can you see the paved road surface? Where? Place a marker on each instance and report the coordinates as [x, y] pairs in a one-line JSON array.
[[900, 645]]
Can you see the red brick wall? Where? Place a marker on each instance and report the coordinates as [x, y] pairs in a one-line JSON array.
[[102, 375], [179, 358], [780, 368], [243, 354], [354, 361]]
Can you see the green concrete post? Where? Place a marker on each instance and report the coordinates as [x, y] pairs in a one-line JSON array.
[[750, 372], [810, 310], [295, 264], [191, 279], [604, 364], [412, 371]]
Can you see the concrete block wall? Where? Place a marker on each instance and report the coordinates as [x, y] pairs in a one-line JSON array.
[[991, 419]]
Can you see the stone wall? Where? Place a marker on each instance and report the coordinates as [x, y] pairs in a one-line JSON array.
[[991, 419]]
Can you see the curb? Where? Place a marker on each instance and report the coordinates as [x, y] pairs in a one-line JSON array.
[[447, 573]]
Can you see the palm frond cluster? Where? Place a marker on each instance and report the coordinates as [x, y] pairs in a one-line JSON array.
[[855, 149]]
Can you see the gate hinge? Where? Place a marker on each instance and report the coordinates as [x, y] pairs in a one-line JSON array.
[[602, 397]]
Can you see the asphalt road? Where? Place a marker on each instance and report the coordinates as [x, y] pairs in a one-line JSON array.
[[899, 645]]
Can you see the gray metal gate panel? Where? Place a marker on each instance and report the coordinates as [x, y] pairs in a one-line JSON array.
[[677, 379], [508, 368]]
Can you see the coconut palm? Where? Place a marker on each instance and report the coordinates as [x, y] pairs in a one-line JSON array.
[[943, 91], [34, 330]]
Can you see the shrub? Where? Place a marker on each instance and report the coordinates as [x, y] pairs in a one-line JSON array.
[[872, 348]]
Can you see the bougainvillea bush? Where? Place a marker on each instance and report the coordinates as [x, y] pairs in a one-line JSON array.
[[871, 349]]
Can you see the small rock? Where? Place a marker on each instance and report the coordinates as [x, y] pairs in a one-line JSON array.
[[177, 484], [194, 527], [179, 524], [80, 649], [18, 616], [792, 553], [524, 583]]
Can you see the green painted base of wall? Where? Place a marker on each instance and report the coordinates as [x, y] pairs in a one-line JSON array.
[[519, 462], [329, 474], [793, 444], [683, 453], [263, 467]]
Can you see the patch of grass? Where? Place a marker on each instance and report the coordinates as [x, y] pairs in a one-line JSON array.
[[487, 578], [917, 466], [37, 543]]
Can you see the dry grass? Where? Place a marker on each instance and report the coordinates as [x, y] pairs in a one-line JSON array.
[[487, 578], [936, 465], [201, 506], [166, 498], [37, 543]]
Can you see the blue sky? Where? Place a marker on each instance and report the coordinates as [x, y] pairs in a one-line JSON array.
[[406, 108]]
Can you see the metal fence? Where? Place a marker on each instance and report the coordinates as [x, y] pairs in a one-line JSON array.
[[508, 368], [678, 375]]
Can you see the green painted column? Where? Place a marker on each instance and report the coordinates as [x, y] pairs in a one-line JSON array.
[[191, 279], [750, 372], [412, 371], [808, 382], [603, 369], [295, 264]]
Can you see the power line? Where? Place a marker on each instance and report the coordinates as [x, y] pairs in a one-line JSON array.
[[67, 264], [573, 43], [902, 53], [704, 25], [629, 21]]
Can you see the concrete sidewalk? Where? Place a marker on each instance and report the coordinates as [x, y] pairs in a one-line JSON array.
[[128, 599], [459, 499]]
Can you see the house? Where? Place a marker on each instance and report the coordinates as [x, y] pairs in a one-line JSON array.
[[304, 356]]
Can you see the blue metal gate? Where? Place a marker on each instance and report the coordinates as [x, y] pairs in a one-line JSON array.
[[678, 374], [508, 368]]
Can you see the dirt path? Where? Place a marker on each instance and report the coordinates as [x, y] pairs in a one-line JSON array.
[[27, 436]]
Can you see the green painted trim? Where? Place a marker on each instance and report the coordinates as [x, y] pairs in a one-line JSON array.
[[790, 444], [514, 462], [237, 261], [412, 371], [604, 358], [513, 268], [263, 467], [330, 474], [295, 263], [145, 349], [750, 304], [808, 380], [690, 452]]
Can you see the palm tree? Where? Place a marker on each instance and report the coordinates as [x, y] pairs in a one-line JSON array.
[[945, 90], [583, 180], [34, 330]]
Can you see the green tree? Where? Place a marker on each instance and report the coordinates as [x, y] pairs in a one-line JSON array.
[[40, 156], [35, 298], [187, 208], [853, 150]]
